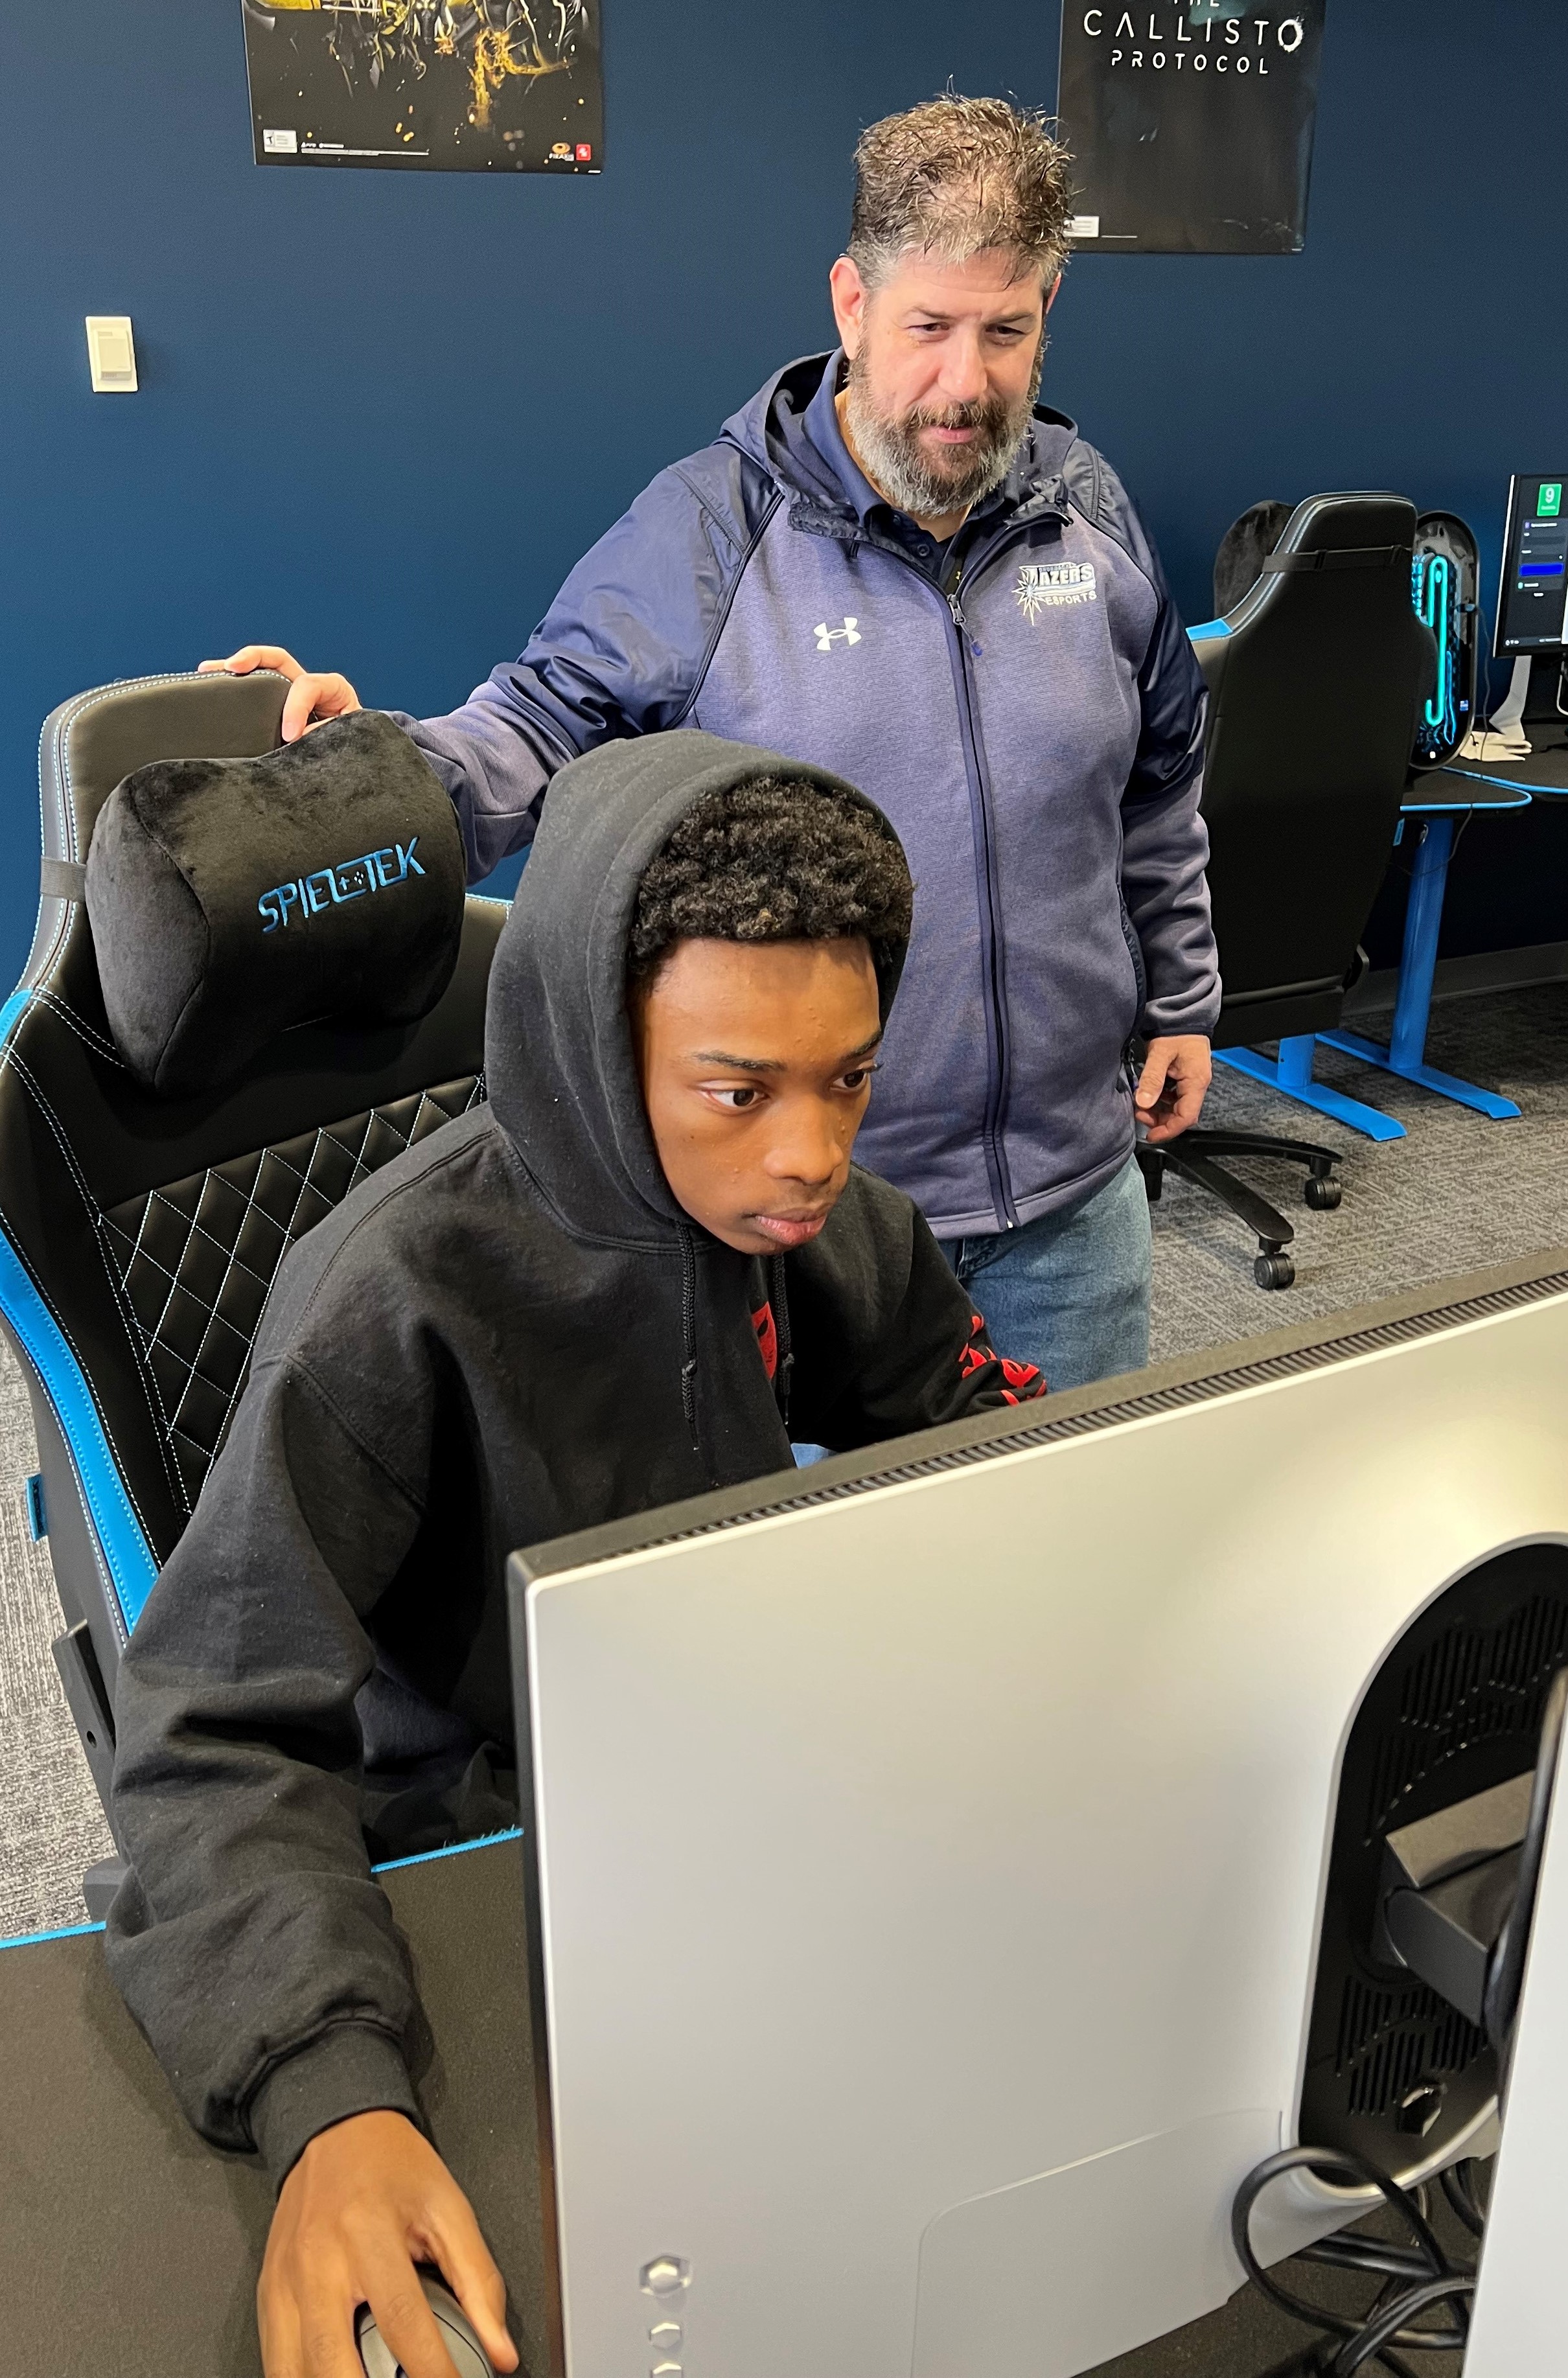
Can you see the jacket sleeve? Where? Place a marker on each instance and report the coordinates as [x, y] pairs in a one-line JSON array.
[[619, 652], [250, 1940], [1164, 846], [927, 1361]]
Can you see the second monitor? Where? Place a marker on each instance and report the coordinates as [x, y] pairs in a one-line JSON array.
[[1531, 610]]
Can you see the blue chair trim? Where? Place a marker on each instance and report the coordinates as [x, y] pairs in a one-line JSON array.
[[1209, 628], [132, 1568]]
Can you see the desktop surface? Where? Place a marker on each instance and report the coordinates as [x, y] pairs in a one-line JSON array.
[[129, 2246]]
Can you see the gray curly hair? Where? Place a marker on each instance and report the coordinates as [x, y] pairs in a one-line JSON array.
[[955, 175]]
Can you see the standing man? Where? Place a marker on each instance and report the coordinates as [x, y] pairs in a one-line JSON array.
[[895, 564]]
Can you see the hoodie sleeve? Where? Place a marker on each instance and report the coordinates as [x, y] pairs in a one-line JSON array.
[[620, 651], [1165, 842], [251, 1941], [888, 1342]]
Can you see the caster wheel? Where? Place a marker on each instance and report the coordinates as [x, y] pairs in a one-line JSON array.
[[1273, 1271], [1323, 1194]]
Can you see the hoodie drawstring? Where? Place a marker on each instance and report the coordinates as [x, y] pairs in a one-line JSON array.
[[786, 1362], [688, 1336]]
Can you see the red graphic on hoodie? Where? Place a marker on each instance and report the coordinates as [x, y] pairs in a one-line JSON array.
[[1023, 1376], [767, 1337]]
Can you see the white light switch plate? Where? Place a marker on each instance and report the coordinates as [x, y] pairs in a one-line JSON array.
[[110, 353]]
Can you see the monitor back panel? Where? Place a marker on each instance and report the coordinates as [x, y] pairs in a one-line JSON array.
[[928, 1879]]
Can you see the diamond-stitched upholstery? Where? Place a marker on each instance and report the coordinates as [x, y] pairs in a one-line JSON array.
[[196, 1261]]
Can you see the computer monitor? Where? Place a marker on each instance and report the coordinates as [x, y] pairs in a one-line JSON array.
[[945, 1863], [1532, 603]]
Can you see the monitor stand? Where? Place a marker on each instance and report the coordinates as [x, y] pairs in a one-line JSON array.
[[1516, 2324], [1502, 737]]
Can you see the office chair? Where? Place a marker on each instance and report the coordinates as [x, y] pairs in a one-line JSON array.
[[1315, 674], [140, 1233]]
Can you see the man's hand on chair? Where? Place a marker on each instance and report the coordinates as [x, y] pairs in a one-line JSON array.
[[367, 2200], [1177, 1071], [313, 698]]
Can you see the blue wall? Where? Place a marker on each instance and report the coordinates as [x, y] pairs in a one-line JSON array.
[[380, 416]]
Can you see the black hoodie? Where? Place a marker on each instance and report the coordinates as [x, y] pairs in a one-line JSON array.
[[509, 1333]]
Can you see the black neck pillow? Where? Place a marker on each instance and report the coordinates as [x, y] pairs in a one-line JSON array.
[[231, 900], [1243, 549]]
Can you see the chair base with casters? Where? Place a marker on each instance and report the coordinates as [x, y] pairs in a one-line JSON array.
[[1192, 1156], [1293, 1018]]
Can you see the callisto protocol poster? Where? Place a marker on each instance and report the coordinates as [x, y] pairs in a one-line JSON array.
[[1190, 124], [432, 86]]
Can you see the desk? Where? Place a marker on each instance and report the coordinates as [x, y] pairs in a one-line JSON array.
[[128, 2246], [1512, 785], [1431, 801], [129, 2249]]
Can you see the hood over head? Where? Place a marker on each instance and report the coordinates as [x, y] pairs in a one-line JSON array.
[[559, 1056]]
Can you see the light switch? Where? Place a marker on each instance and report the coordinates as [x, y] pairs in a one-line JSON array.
[[111, 352]]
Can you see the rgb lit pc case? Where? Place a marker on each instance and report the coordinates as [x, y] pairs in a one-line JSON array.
[[1445, 587]]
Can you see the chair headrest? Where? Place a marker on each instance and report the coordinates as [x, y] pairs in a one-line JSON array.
[[1243, 549], [231, 900], [1331, 531]]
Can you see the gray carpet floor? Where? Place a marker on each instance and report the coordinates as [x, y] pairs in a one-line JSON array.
[[1458, 1194], [50, 1825]]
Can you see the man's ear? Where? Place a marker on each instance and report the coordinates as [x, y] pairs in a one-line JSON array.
[[850, 296]]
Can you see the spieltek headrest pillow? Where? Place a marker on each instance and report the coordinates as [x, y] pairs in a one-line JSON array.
[[232, 899]]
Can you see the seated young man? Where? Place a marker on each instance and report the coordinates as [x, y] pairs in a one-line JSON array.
[[633, 1276]]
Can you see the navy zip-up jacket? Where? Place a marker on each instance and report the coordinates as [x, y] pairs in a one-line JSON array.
[[1023, 705]]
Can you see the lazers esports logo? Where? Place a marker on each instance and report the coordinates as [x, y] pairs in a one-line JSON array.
[[1054, 586], [327, 887]]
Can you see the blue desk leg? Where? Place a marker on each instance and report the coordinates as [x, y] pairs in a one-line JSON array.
[[1293, 1075], [1407, 1048]]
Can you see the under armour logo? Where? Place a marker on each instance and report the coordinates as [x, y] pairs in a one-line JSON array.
[[827, 637]]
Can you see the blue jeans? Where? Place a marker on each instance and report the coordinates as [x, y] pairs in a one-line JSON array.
[[1071, 1289]]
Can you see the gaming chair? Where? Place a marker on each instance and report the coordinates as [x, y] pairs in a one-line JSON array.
[[140, 1233], [1314, 678]]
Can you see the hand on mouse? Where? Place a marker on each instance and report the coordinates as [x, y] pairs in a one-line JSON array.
[[366, 2201], [314, 695]]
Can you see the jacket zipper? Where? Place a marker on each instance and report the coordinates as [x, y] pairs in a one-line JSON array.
[[963, 645], [961, 642], [783, 1361], [688, 1337]]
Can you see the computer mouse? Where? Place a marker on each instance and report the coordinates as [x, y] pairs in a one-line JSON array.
[[457, 2335]]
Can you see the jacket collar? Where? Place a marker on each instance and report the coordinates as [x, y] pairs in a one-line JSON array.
[[791, 428]]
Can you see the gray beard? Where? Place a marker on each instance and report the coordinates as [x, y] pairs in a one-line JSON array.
[[891, 457]]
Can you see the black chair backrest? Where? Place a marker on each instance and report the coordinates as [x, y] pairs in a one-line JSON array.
[[1313, 692], [139, 1236]]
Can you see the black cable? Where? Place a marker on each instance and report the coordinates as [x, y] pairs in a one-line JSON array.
[[1505, 1966], [1385, 2330], [1414, 2279], [1458, 2187]]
